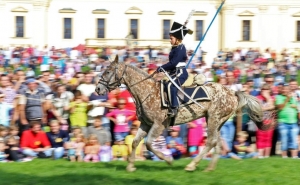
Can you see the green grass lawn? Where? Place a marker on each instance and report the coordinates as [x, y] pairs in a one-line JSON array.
[[271, 171]]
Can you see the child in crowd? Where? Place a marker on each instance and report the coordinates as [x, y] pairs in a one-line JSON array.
[[78, 111], [242, 148], [3, 155], [105, 154], [92, 149], [14, 131], [175, 143], [3, 133], [102, 134], [75, 131], [12, 148], [160, 144], [75, 148], [139, 148], [119, 150], [121, 117], [195, 135]]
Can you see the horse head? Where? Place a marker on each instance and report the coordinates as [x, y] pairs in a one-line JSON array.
[[109, 79]]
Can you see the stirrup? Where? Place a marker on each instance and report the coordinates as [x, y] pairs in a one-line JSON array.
[[173, 112]]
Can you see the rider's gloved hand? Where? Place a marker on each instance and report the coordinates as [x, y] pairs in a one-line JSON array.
[[159, 69]]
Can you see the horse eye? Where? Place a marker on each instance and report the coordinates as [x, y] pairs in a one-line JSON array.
[[107, 72]]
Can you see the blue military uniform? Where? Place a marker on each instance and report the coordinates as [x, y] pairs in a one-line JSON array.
[[176, 65]]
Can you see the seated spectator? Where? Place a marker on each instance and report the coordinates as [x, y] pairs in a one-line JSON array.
[[14, 131], [120, 117], [75, 131], [3, 155], [75, 148], [105, 154], [119, 150], [12, 149], [34, 142], [57, 139], [92, 149], [102, 134], [3, 133], [242, 148], [175, 143], [139, 148], [160, 145]]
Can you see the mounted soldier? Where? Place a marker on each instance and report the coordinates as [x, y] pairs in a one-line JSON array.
[[176, 67]]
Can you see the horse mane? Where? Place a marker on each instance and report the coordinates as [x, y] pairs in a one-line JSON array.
[[140, 71]]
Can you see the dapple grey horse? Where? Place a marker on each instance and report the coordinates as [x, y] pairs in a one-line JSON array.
[[146, 92]]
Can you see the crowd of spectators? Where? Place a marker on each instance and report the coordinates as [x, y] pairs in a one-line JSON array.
[[49, 108]]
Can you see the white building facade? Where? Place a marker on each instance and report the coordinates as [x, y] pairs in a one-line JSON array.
[[67, 23]]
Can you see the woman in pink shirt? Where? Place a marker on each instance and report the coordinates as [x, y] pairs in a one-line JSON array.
[[195, 135], [120, 117]]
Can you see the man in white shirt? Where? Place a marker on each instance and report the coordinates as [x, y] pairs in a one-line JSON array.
[[87, 88]]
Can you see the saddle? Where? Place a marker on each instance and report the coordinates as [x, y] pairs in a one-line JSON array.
[[193, 87]]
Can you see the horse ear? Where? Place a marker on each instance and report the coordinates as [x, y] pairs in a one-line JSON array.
[[116, 59]]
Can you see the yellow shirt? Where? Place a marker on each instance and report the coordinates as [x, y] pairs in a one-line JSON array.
[[129, 141], [79, 116], [119, 150]]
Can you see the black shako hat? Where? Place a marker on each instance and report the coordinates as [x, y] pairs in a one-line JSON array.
[[179, 30]]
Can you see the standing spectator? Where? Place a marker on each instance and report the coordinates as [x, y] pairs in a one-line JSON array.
[[32, 106], [57, 139], [119, 150], [287, 119], [78, 110], [60, 103], [34, 142], [120, 117], [7, 90], [195, 135], [4, 111], [87, 88], [264, 138]]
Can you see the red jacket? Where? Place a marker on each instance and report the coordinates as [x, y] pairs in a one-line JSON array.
[[33, 141]]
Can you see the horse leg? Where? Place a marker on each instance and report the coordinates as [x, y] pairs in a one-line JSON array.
[[214, 161], [212, 137], [154, 132], [141, 133]]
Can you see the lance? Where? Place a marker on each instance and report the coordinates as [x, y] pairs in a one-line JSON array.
[[205, 34]]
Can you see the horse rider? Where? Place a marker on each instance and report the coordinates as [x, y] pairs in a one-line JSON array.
[[176, 65]]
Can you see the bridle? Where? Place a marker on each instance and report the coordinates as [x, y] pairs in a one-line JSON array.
[[117, 82]]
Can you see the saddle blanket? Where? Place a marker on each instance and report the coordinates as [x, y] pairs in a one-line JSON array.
[[197, 93]]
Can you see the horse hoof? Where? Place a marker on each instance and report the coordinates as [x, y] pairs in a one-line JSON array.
[[130, 169], [169, 161], [190, 168]]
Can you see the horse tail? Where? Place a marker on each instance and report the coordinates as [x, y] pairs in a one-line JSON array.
[[254, 109]]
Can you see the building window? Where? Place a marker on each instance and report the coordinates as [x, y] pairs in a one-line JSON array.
[[166, 29], [67, 28], [199, 29], [298, 30], [100, 28], [246, 30], [134, 28], [19, 26]]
